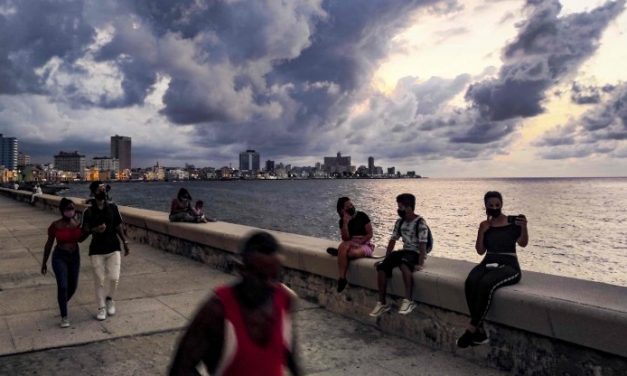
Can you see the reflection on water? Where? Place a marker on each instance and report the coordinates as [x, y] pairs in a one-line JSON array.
[[577, 226]]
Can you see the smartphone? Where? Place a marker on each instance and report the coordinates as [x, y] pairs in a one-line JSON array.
[[511, 219]]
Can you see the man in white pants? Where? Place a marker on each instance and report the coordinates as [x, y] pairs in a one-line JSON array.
[[103, 221]]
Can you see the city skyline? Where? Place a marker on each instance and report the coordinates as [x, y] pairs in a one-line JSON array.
[[467, 88]]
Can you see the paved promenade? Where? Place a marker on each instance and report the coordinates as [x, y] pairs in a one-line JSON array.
[[157, 295]]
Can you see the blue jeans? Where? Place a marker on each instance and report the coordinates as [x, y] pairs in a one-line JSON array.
[[66, 266]]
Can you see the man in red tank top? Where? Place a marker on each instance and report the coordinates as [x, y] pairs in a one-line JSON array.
[[244, 328]]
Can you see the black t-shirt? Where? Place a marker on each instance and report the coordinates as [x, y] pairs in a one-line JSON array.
[[357, 225], [502, 239], [108, 241]]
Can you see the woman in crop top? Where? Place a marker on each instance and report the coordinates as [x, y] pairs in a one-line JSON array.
[[497, 239], [66, 261], [356, 232]]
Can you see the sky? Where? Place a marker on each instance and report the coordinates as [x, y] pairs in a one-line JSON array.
[[468, 88]]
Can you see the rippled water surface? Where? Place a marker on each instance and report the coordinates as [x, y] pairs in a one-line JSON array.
[[578, 227]]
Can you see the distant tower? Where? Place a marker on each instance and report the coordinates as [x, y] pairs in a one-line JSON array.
[[370, 165], [121, 149], [249, 160], [8, 152]]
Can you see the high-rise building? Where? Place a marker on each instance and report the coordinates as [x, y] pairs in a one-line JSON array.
[[121, 150], [371, 165], [72, 162], [249, 160], [22, 159], [8, 152], [269, 165]]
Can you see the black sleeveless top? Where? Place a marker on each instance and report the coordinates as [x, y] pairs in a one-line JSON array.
[[502, 239]]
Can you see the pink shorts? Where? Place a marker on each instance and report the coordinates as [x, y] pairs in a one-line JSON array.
[[367, 249]]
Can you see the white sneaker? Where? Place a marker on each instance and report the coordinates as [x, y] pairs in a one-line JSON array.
[[102, 314], [406, 307], [110, 307], [65, 322], [379, 309]]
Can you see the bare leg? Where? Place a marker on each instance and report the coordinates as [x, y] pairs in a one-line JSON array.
[[342, 259], [408, 280]]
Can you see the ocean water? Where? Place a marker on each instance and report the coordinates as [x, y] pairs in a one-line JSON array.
[[577, 227]]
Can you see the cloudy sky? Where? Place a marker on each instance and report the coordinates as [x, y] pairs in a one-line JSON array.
[[447, 88]]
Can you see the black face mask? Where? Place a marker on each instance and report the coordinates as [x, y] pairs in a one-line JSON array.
[[350, 211], [493, 212], [401, 213], [101, 196]]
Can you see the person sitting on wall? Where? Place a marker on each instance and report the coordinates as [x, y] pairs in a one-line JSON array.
[[356, 232], [181, 209], [199, 211], [414, 231], [37, 192], [497, 239]]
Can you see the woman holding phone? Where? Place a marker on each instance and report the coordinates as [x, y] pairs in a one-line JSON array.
[[497, 239]]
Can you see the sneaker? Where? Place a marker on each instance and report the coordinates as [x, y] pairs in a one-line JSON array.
[[480, 337], [102, 313], [406, 307], [341, 284], [110, 306], [465, 340], [379, 309], [332, 251], [65, 322]]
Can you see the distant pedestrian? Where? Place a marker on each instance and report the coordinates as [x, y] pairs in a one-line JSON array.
[[356, 233], [244, 328], [103, 221], [497, 239], [413, 229], [66, 260], [181, 209]]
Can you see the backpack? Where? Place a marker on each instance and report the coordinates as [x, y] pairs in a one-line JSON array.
[[429, 234]]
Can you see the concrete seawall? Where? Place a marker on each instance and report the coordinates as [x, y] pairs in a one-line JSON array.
[[544, 325]]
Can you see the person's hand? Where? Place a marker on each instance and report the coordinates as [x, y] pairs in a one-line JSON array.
[[484, 226], [126, 249], [521, 221], [44, 269], [419, 267], [101, 228], [346, 217]]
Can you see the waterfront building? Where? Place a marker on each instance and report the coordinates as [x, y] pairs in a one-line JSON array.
[[107, 164], [338, 164], [8, 152], [371, 166], [269, 165], [391, 171], [70, 162], [121, 150], [249, 161], [22, 159]]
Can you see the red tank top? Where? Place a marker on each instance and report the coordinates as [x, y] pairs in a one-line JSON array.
[[65, 235], [240, 355]]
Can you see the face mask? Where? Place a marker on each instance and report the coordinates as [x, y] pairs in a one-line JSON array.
[[350, 211], [493, 212], [101, 196], [401, 213], [69, 213]]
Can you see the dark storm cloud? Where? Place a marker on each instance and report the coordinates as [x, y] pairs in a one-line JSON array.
[[547, 49], [586, 94], [32, 33], [600, 130]]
